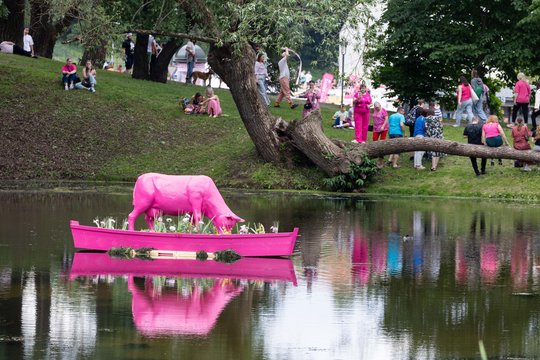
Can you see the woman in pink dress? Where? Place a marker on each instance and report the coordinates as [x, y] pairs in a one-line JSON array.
[[213, 104], [312, 99], [361, 102]]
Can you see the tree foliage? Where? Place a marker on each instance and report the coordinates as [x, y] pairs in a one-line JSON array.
[[428, 44]]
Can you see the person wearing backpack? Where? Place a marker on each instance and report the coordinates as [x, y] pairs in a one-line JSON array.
[[413, 114], [478, 87]]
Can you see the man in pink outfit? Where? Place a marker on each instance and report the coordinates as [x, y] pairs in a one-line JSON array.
[[284, 78], [522, 93], [361, 102]]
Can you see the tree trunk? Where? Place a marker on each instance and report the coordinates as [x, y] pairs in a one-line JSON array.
[[140, 65], [159, 67], [43, 30], [237, 71], [11, 28], [95, 53]]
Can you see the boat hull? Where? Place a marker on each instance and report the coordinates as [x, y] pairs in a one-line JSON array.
[[92, 264], [258, 245]]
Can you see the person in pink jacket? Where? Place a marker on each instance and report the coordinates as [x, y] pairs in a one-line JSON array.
[[361, 102], [522, 93]]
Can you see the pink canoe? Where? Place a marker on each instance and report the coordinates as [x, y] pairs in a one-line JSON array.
[[259, 245], [92, 264]]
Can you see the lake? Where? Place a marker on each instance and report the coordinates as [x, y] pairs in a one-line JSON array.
[[370, 279]]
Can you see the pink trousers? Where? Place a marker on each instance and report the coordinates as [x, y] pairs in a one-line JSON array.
[[361, 124], [214, 107]]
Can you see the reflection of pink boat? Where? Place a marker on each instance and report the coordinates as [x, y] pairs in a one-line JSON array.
[[271, 244], [169, 312], [91, 264]]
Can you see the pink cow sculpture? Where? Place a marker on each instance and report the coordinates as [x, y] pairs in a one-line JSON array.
[[156, 194]]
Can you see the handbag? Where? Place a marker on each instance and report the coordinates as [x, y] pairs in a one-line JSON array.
[[474, 97], [308, 105]]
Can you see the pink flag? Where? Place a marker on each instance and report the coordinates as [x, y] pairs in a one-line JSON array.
[[326, 85]]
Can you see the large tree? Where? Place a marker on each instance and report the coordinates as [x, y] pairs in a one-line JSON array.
[[427, 44], [230, 27]]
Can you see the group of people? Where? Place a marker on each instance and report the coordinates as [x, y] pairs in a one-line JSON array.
[[10, 47], [199, 104], [71, 80]]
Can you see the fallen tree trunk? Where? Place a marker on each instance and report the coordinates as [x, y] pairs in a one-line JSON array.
[[334, 157]]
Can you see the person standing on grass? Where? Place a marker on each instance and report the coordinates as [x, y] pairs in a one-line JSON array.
[[536, 106], [361, 102], [28, 42], [396, 130], [129, 50], [473, 134], [419, 132], [522, 93], [434, 130], [478, 87], [380, 127], [284, 78], [521, 135], [261, 73], [464, 101], [191, 57]]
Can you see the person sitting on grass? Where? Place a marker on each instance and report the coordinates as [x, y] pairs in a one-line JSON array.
[[89, 78], [493, 134], [69, 74], [212, 103], [198, 104], [9, 47], [396, 130], [473, 134], [340, 118], [521, 135]]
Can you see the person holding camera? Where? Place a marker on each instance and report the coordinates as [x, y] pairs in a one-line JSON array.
[[312, 99]]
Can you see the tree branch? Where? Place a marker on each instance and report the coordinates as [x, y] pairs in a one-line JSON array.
[[205, 39]]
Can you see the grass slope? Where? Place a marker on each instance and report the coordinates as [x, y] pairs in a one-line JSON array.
[[129, 127]]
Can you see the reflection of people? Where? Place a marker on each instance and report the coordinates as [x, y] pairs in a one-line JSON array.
[[360, 257]]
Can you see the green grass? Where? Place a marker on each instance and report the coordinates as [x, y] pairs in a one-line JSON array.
[[129, 127]]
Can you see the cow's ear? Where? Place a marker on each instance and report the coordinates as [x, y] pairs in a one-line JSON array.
[[233, 217]]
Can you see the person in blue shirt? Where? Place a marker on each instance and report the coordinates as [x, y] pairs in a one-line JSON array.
[[396, 129], [419, 132]]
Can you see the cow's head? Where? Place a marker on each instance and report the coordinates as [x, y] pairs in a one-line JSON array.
[[226, 221]]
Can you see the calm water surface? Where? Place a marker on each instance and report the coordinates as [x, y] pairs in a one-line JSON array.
[[370, 279]]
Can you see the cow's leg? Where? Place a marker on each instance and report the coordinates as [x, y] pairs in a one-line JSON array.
[[150, 215], [133, 216], [196, 206]]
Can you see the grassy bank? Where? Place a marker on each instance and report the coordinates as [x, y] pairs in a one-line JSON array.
[[129, 127]]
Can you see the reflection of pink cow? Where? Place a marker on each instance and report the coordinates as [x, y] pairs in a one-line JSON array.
[[175, 195]]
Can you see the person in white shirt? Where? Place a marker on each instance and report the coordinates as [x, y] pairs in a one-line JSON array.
[[536, 111], [284, 78], [28, 42]]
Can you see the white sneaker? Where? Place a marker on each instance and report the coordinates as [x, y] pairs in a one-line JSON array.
[[354, 141], [66, 87], [455, 125], [71, 87], [92, 90]]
